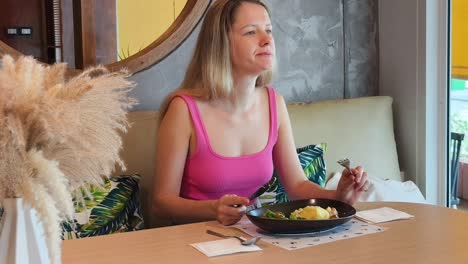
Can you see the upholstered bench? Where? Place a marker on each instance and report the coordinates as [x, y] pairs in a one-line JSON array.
[[360, 129]]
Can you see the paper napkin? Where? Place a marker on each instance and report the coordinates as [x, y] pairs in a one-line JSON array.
[[380, 215], [223, 247]]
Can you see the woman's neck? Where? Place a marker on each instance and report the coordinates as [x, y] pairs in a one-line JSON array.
[[242, 97]]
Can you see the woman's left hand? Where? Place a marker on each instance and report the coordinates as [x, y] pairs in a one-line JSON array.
[[352, 185]]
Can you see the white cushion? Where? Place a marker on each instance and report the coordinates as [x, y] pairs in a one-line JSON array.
[[360, 129], [384, 190]]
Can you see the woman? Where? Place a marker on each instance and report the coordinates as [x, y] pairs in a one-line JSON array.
[[224, 130]]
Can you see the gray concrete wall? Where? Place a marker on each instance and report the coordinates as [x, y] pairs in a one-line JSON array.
[[326, 49]]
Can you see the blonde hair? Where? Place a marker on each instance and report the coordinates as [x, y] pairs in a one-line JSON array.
[[209, 74]]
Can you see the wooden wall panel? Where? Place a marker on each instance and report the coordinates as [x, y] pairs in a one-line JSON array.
[[28, 13], [85, 41], [68, 37], [95, 32], [105, 25]]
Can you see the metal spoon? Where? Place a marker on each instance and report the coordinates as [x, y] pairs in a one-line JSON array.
[[245, 242]]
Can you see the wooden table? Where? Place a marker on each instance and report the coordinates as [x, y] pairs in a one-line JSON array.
[[435, 235]]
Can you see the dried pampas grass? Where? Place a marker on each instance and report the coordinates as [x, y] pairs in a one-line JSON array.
[[57, 135]]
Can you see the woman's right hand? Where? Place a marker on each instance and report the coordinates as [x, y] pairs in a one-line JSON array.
[[352, 185], [230, 208]]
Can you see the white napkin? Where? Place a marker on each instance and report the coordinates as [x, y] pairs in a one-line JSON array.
[[380, 215], [223, 247]]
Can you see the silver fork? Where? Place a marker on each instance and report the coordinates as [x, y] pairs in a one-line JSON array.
[[245, 242], [346, 163]]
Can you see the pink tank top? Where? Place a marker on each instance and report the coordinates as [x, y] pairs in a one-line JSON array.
[[208, 175]]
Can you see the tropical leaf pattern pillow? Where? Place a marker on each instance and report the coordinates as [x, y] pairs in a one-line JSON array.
[[313, 164], [111, 208]]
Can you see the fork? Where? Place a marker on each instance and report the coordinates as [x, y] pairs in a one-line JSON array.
[[245, 242], [346, 163]]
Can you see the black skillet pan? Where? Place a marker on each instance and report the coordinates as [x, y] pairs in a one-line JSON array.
[[345, 213]]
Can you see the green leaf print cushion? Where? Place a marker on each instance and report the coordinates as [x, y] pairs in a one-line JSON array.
[[111, 208], [313, 164]]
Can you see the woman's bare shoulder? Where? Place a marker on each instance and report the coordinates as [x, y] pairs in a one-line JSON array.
[[282, 110], [280, 103], [178, 104], [279, 97], [177, 113]]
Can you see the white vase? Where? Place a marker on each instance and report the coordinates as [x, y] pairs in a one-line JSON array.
[[21, 234]]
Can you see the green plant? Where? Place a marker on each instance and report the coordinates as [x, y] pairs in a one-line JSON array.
[[459, 124], [124, 54]]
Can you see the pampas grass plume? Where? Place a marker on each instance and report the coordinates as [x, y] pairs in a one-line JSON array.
[[57, 135]]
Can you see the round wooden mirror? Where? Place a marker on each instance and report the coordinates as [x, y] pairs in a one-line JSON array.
[[177, 32]]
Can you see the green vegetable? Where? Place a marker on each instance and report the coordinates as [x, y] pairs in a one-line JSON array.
[[274, 215]]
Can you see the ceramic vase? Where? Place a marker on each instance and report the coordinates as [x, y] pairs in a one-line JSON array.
[[21, 234]]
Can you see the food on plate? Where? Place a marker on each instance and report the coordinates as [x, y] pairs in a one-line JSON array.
[[307, 213], [275, 215], [313, 213]]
